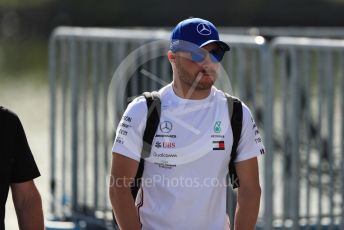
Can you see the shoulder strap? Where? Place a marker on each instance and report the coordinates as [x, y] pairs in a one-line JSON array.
[[152, 123], [235, 114]]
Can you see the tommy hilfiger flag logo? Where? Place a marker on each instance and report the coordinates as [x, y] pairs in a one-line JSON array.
[[218, 145]]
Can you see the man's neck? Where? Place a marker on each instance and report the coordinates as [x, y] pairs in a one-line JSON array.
[[190, 92]]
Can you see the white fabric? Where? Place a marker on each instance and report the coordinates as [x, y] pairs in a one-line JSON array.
[[184, 179]]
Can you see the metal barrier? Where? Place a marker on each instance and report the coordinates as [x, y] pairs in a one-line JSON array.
[[304, 161], [308, 150], [271, 32]]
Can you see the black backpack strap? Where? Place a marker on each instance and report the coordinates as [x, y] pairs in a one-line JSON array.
[[236, 117], [152, 123]]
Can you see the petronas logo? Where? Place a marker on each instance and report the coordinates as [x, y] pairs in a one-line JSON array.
[[217, 127]]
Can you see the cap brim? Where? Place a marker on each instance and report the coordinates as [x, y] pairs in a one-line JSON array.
[[221, 44]]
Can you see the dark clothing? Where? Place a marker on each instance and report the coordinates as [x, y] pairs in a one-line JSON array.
[[16, 161]]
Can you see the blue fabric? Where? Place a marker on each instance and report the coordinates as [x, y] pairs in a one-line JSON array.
[[193, 33]]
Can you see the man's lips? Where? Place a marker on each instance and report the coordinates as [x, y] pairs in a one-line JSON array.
[[207, 73]]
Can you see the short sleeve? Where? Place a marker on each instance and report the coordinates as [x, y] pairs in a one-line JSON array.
[[251, 143], [24, 166], [128, 141]]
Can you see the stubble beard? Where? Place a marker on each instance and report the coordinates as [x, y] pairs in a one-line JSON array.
[[194, 82]]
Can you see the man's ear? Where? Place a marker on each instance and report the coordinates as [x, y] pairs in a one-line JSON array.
[[171, 56]]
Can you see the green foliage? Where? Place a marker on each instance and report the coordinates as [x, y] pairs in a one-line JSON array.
[[21, 57]]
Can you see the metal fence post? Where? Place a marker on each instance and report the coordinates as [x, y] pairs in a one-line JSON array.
[[52, 90], [73, 77], [295, 153], [267, 62]]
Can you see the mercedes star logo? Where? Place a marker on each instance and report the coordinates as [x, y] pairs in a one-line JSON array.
[[158, 144], [203, 29], [166, 126]]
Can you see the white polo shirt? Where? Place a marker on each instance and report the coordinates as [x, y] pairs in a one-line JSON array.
[[184, 179]]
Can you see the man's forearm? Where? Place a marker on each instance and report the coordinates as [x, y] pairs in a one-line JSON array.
[[247, 209], [30, 214], [124, 208]]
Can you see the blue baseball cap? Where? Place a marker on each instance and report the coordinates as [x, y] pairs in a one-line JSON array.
[[193, 33]]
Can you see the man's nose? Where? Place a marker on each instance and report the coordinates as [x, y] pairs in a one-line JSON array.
[[208, 63]]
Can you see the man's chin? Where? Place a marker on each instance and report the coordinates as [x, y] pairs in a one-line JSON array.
[[205, 84]]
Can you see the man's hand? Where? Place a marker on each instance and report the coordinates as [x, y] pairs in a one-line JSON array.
[[123, 172], [28, 204], [248, 195]]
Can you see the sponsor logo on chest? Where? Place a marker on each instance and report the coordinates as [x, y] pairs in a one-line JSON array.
[[166, 145], [165, 128], [217, 127], [218, 145]]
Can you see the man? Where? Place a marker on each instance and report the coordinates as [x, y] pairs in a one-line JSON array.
[[17, 170], [182, 183]]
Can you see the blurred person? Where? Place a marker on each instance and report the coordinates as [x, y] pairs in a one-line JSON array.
[[190, 146], [17, 170]]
